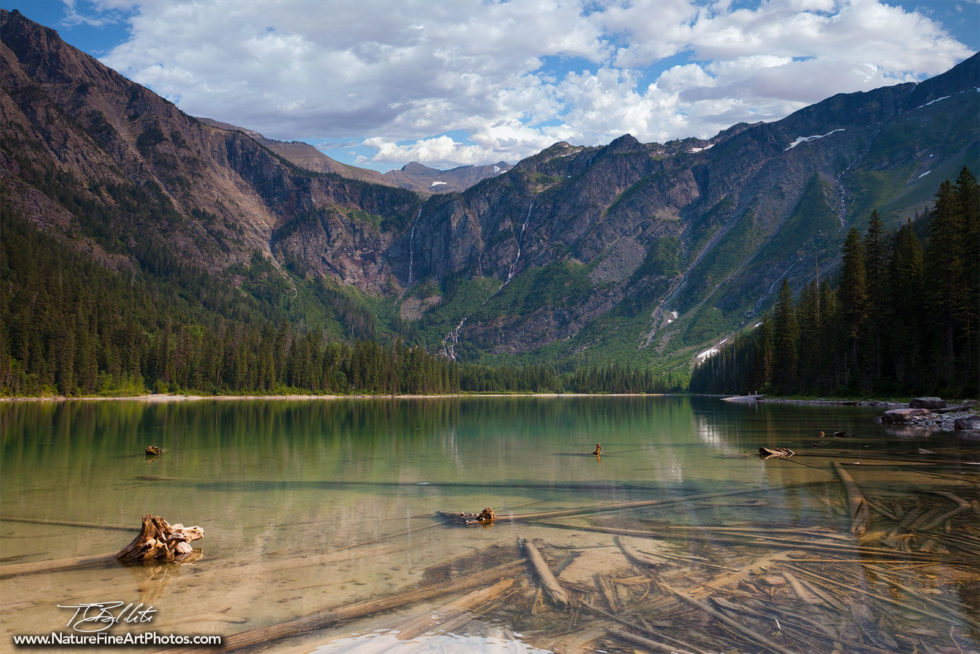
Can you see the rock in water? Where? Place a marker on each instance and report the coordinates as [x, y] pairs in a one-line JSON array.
[[903, 416], [930, 403]]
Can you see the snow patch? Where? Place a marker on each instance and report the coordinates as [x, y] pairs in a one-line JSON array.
[[924, 174], [496, 169], [804, 139], [945, 97], [710, 352], [436, 184], [707, 147]]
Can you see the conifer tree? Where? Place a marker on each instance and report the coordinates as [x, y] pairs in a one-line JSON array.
[[876, 264], [853, 299], [944, 279], [907, 303], [786, 338]]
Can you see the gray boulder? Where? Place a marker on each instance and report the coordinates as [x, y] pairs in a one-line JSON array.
[[904, 416], [968, 423], [927, 403]]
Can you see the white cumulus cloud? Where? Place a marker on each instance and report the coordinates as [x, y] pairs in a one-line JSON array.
[[477, 81]]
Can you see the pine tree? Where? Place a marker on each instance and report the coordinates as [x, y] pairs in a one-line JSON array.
[[967, 301], [876, 265], [786, 336], [808, 319], [907, 303], [944, 279], [854, 299]]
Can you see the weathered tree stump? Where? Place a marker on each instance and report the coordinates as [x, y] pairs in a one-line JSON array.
[[158, 540], [485, 517]]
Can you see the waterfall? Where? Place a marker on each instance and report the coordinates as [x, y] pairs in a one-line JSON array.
[[520, 241], [452, 338], [411, 246]]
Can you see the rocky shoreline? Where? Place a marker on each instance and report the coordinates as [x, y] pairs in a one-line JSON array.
[[935, 414], [921, 413]]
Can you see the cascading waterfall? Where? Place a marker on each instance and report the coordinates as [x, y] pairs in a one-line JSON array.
[[520, 242], [452, 338], [411, 246]]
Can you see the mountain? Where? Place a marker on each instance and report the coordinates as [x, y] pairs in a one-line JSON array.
[[413, 176], [638, 250], [630, 251]]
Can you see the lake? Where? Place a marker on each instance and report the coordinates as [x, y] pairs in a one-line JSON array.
[[678, 533]]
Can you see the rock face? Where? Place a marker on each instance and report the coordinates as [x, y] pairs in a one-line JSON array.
[[163, 181], [930, 403], [631, 250]]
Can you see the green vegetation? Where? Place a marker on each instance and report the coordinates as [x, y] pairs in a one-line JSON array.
[[903, 319], [69, 326]]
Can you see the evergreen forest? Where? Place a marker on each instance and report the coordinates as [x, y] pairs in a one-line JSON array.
[[902, 319], [72, 327]]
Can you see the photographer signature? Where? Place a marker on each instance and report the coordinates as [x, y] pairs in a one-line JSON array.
[[99, 616]]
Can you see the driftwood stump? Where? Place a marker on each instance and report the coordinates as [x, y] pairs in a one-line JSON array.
[[485, 517], [153, 450], [158, 540]]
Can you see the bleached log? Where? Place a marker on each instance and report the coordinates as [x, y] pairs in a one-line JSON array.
[[857, 506], [555, 592]]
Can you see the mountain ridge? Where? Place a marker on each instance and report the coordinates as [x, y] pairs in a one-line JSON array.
[[640, 253], [413, 176]]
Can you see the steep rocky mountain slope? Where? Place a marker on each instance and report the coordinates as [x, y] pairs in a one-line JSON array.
[[630, 251], [413, 176], [644, 249], [145, 176]]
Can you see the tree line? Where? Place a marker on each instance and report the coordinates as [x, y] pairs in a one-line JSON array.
[[903, 318], [70, 326], [612, 378]]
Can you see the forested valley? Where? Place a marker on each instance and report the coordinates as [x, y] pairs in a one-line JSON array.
[[71, 327]]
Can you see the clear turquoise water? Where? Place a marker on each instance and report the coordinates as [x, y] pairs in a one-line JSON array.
[[312, 504]]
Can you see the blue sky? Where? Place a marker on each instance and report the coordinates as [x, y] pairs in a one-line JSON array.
[[379, 83]]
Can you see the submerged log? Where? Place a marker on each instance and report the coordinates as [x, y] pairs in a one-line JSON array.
[[56, 565], [632, 553], [775, 452], [635, 504], [734, 624], [66, 523], [643, 641], [961, 505], [158, 540], [857, 506], [329, 617], [555, 592], [463, 606]]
